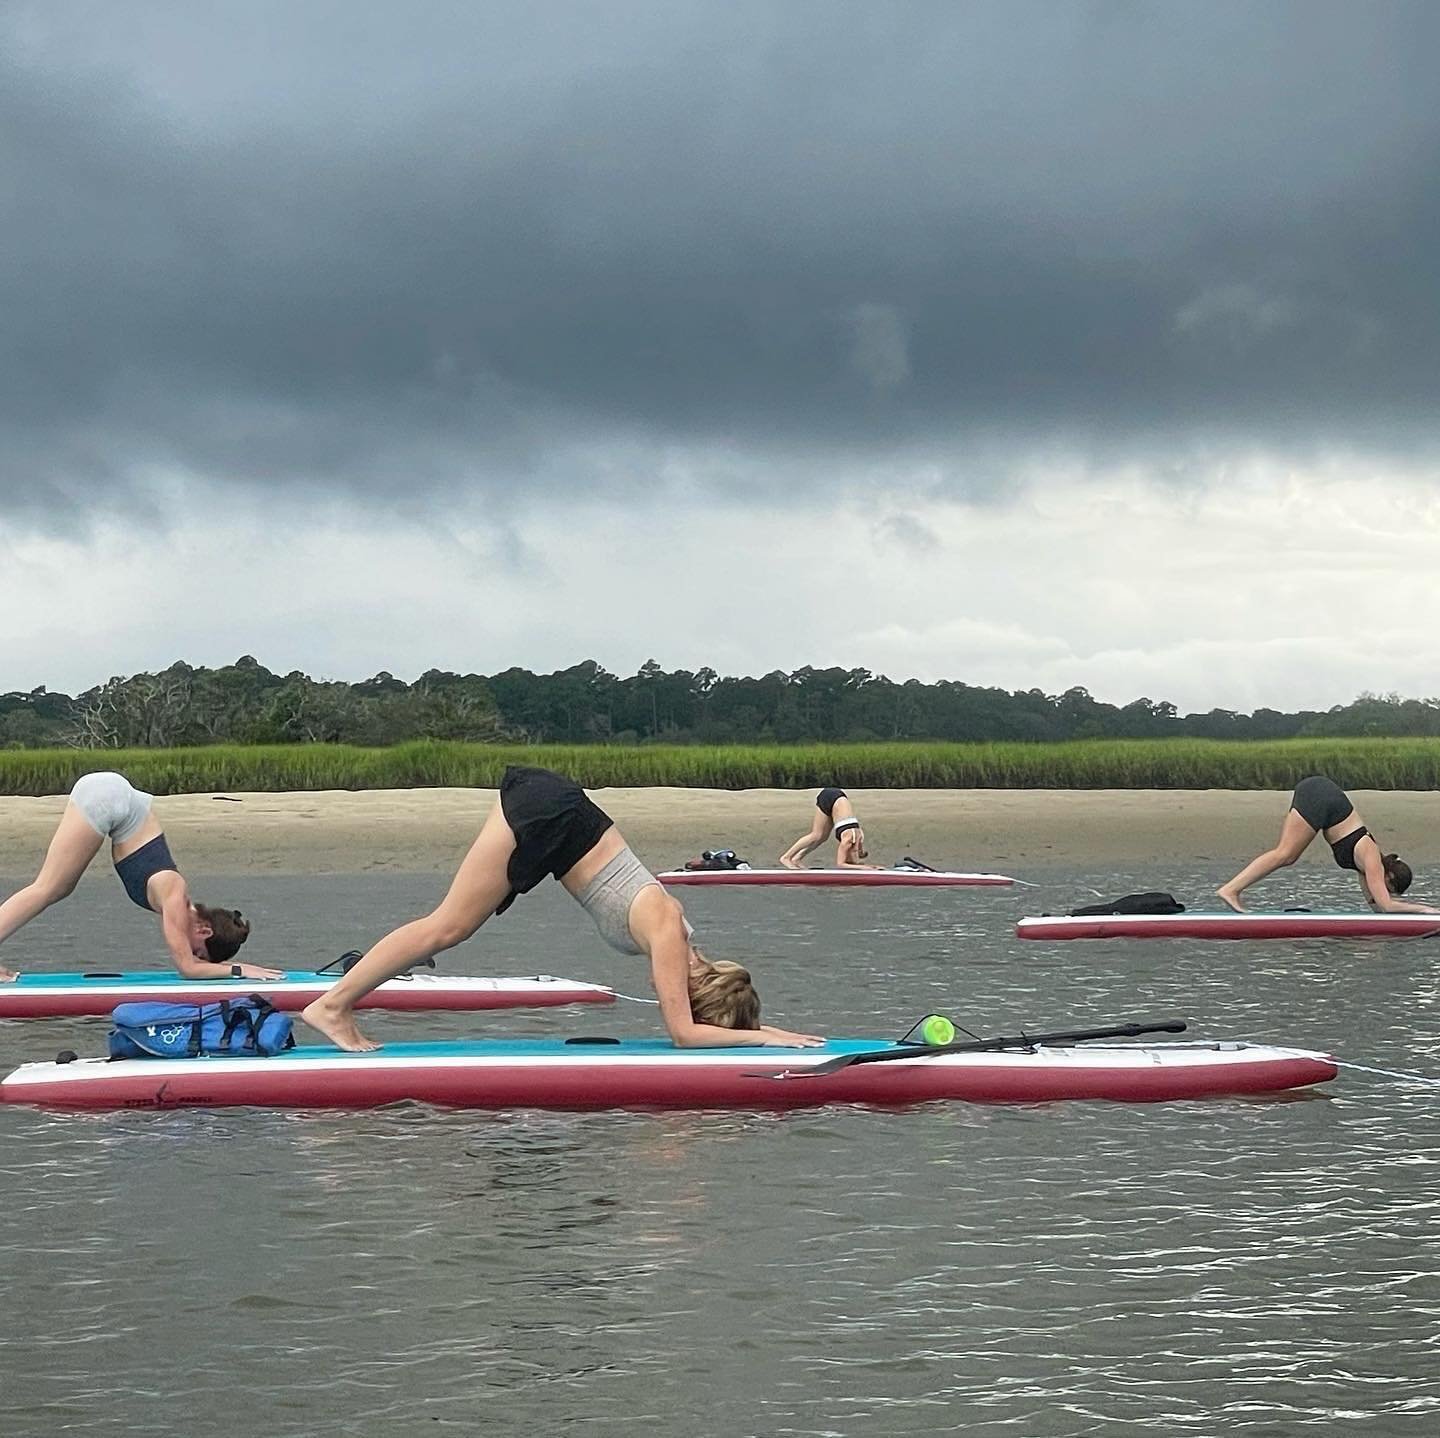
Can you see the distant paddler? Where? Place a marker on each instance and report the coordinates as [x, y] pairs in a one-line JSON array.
[[834, 814], [202, 940], [547, 826], [1320, 806]]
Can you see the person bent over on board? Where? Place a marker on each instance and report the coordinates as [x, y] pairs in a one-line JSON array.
[[202, 941], [1320, 805], [545, 825], [834, 813]]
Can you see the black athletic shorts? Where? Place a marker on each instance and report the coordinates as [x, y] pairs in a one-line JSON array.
[[825, 801], [1321, 802], [555, 823]]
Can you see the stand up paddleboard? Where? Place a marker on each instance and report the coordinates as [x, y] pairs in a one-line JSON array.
[[1230, 925], [47, 996], [834, 878], [652, 1074]]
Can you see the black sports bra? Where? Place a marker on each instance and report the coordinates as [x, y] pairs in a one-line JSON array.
[[1344, 849]]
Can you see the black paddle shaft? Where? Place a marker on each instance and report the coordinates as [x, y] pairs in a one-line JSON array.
[[974, 1046]]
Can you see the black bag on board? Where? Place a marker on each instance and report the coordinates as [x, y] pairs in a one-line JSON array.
[[717, 859], [1154, 902]]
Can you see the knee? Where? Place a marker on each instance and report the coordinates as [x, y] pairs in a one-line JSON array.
[[51, 891], [1287, 857], [444, 931]]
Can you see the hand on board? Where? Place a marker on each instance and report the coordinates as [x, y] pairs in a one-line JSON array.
[[783, 1038], [254, 971]]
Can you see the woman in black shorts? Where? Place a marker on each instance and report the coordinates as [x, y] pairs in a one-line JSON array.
[[1320, 806], [834, 813], [547, 826]]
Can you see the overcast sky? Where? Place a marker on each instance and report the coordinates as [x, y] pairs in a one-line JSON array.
[[1029, 344]]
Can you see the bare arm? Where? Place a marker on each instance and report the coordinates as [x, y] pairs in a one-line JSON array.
[[657, 922], [1377, 891], [175, 928], [849, 849]]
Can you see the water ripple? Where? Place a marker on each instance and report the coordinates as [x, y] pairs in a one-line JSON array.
[[1260, 1268]]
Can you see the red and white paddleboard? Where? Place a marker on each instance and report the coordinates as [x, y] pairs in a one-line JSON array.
[[652, 1073], [45, 996], [1230, 925], [832, 878]]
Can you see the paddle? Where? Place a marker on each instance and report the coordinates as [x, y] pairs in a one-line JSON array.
[[972, 1046]]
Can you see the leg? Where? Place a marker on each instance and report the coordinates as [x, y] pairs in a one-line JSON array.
[[74, 845], [477, 890], [807, 843], [1295, 838]]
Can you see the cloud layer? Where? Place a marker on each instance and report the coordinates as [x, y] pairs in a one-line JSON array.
[[1012, 341], [1293, 590], [531, 250]]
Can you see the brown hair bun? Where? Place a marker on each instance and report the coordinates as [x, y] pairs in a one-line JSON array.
[[1397, 873], [228, 931]]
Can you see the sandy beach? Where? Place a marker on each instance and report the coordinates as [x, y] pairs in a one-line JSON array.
[[418, 830]]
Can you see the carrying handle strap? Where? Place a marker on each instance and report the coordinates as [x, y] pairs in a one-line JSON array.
[[247, 1018], [351, 957]]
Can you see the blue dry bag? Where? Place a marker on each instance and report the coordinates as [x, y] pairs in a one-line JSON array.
[[246, 1027]]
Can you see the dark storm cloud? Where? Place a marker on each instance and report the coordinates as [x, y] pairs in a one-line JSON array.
[[409, 247]]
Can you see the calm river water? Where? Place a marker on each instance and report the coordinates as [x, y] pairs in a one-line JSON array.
[[1262, 1268]]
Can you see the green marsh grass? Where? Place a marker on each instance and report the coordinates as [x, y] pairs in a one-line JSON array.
[[1084, 764]]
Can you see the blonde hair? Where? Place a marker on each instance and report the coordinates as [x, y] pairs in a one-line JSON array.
[[721, 994]]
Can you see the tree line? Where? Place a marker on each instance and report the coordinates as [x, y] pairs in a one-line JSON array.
[[246, 703]]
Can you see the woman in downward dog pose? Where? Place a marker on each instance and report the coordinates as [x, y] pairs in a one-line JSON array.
[[834, 813], [1319, 805], [202, 941], [545, 825]]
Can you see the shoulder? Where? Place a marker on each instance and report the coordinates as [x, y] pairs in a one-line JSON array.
[[166, 889], [656, 905]]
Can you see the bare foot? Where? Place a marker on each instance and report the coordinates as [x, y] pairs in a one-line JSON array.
[[1232, 900], [788, 863], [338, 1025], [8, 976]]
